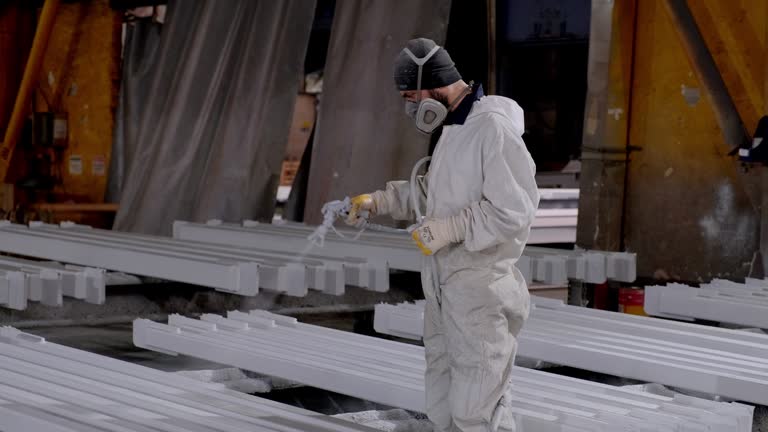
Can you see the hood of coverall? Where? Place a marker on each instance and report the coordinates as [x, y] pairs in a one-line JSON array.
[[505, 107]]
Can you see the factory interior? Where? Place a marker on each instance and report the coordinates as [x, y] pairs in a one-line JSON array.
[[216, 215]]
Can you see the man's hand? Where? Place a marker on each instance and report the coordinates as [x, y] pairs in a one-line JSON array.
[[363, 207], [435, 234]]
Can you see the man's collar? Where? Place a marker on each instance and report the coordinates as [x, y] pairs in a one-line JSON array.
[[459, 115]]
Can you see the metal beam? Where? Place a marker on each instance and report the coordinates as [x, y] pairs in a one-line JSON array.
[[326, 274], [722, 301], [731, 124], [50, 387], [710, 360], [230, 276], [393, 373], [546, 265], [227, 268], [13, 289], [83, 284]]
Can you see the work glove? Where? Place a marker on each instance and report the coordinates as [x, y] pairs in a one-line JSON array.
[[362, 207], [367, 206], [435, 234]]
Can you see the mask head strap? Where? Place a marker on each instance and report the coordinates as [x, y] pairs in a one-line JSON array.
[[420, 62]]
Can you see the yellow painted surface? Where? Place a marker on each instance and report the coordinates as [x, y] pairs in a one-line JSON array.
[[80, 76], [620, 71], [687, 215], [734, 32]]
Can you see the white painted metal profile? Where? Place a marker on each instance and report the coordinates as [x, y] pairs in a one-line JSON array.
[[292, 238], [565, 196], [721, 300], [226, 268], [85, 283], [552, 266], [50, 387], [717, 361], [326, 274], [554, 225], [13, 289], [392, 373]]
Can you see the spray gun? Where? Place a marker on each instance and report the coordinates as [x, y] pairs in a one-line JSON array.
[[334, 210], [338, 209]]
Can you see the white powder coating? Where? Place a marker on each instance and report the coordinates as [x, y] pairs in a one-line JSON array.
[[390, 421], [231, 378]]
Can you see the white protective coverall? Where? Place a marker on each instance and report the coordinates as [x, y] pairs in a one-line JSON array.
[[482, 171]]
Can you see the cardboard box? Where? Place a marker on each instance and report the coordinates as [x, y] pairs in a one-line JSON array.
[[6, 197], [301, 127]]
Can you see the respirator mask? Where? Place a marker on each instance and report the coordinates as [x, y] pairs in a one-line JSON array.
[[428, 113]]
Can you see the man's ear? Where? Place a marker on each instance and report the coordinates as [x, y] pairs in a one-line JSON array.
[[437, 95]]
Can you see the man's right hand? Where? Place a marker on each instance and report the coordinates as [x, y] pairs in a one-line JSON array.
[[363, 207]]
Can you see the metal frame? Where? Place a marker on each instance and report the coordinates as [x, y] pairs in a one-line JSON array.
[[49, 387], [723, 301], [393, 373], [711, 360], [553, 266]]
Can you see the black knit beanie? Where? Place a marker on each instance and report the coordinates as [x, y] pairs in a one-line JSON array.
[[438, 71]]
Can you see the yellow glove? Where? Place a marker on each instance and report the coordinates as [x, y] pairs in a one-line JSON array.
[[435, 234], [363, 207]]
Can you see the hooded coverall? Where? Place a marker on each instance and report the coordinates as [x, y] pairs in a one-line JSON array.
[[482, 171]]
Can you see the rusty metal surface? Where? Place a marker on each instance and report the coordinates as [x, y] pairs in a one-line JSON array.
[[605, 125], [687, 216], [688, 210]]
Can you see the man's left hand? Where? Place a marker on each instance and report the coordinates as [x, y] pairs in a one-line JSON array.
[[433, 235]]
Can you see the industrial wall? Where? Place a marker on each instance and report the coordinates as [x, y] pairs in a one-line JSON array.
[[657, 176]]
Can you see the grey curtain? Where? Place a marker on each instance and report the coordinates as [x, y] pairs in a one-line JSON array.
[[211, 130], [363, 137], [142, 39]]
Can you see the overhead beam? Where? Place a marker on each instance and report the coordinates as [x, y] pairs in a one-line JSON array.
[[705, 68]]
